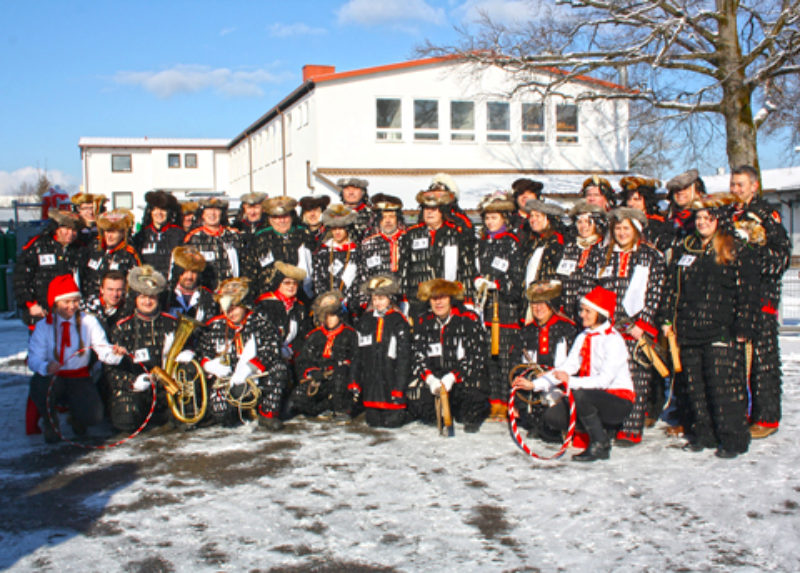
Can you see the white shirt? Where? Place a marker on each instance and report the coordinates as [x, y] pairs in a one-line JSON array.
[[609, 361]]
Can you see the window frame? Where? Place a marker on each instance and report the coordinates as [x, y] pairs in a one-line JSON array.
[[390, 134], [529, 136], [116, 196], [170, 157], [426, 134], [459, 135], [498, 135], [568, 137], [115, 156], [186, 157]]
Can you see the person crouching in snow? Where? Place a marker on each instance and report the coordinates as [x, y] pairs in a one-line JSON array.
[[60, 362], [596, 370], [383, 360], [449, 348], [328, 385]]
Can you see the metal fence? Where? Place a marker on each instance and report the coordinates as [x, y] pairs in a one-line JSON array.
[[790, 298]]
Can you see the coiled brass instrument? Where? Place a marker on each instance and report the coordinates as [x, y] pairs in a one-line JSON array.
[[185, 383]]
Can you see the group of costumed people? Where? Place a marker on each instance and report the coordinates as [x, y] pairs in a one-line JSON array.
[[345, 308]]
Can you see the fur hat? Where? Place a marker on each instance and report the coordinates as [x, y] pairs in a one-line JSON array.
[[66, 219], [601, 183], [437, 198], [547, 208], [213, 203], [309, 202], [82, 198], [327, 303], [497, 202], [189, 207], [713, 202], [682, 181], [383, 202], [146, 280], [522, 185], [636, 217], [582, 207], [601, 300], [60, 288], [252, 198], [188, 258], [338, 216], [440, 287], [444, 182], [279, 206], [352, 182], [116, 220], [231, 292], [385, 285], [161, 200], [544, 291], [633, 183], [289, 271]]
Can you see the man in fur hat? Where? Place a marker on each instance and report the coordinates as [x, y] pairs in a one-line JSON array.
[[311, 209], [335, 263], [354, 195], [283, 240], [443, 187], [449, 351], [160, 232], [60, 363], [380, 252], [435, 247], [88, 206], [52, 253], [146, 335], [111, 251], [383, 358], [248, 221], [327, 373], [235, 346], [598, 191], [186, 295], [219, 244]]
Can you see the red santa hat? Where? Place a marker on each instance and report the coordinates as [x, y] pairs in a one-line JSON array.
[[602, 300], [62, 287]]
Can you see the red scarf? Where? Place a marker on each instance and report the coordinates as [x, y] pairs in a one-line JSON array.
[[586, 355]]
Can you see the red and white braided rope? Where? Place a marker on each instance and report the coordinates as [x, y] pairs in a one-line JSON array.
[[521, 443]]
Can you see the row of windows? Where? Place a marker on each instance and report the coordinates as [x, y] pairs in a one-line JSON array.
[[123, 163], [532, 126]]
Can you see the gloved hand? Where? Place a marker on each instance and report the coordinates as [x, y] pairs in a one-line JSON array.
[[286, 352], [448, 380], [243, 370], [215, 367], [141, 383], [433, 383], [184, 356], [480, 282]]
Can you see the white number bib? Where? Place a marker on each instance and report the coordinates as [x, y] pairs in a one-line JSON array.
[[686, 260], [566, 267], [606, 272], [46, 260], [336, 267], [94, 264], [141, 355], [209, 255], [374, 261], [435, 349], [149, 249], [421, 243], [264, 261], [500, 264], [114, 266], [364, 340]]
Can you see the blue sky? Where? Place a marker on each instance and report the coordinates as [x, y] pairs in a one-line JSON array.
[[185, 69]]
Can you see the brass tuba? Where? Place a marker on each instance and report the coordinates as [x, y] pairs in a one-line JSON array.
[[185, 384]]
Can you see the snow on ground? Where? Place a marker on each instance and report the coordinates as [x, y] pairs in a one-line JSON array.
[[325, 497]]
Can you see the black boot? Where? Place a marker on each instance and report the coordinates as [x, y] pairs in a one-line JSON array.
[[599, 444]]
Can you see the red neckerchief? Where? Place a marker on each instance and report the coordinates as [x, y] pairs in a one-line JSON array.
[[211, 232], [584, 258], [237, 337], [586, 354], [394, 248], [330, 336], [341, 248], [288, 302]]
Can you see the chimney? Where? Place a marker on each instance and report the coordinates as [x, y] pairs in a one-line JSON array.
[[311, 71]]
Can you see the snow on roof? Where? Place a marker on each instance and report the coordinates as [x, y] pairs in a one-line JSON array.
[[150, 142], [781, 179]]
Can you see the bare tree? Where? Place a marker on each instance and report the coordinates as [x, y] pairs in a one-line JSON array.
[[707, 59]]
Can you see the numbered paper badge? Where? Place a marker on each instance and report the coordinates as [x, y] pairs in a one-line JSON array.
[[686, 260], [149, 249], [94, 264], [500, 264], [209, 255], [606, 272], [421, 243], [335, 267], [46, 260], [141, 355], [435, 349], [114, 266], [264, 261], [373, 261], [566, 267], [364, 340]]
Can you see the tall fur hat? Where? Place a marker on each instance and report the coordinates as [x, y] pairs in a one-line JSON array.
[[213, 203], [635, 216], [161, 200], [327, 303], [634, 183], [352, 182], [582, 207], [231, 292], [189, 207], [66, 219], [338, 216], [81, 198], [497, 202], [188, 258], [523, 184], [440, 287], [116, 220], [309, 202], [436, 198], [279, 206], [601, 183], [385, 285], [552, 209], [544, 291], [713, 202], [252, 198], [146, 280], [444, 182], [383, 202], [289, 271], [683, 180]]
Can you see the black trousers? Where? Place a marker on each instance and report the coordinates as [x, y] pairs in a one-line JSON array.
[[379, 418], [612, 410], [79, 394], [468, 405], [765, 378]]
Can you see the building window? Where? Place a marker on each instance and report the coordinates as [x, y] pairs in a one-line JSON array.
[[173, 160], [121, 200], [462, 121], [121, 163], [566, 123], [426, 119], [498, 123], [389, 119], [190, 160], [533, 122]]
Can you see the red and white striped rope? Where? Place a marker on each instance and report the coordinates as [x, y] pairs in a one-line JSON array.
[[521, 443]]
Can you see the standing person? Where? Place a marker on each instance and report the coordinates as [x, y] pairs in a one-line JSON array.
[[449, 349], [248, 221], [60, 363], [236, 345], [596, 370], [109, 305], [383, 358], [52, 253], [582, 255], [111, 251], [712, 294], [328, 386], [598, 191], [773, 250], [443, 188], [160, 232], [219, 244], [186, 296], [189, 211], [88, 207], [543, 250], [683, 190], [335, 263], [524, 190], [640, 193], [311, 209], [147, 336], [498, 284], [353, 192], [635, 272]]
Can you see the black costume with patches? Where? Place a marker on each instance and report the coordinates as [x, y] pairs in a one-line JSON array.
[[576, 272], [290, 317], [221, 249], [293, 247], [156, 245], [380, 255], [330, 269], [100, 259], [548, 249]]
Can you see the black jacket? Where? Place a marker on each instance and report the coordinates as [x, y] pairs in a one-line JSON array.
[[155, 245], [220, 249]]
